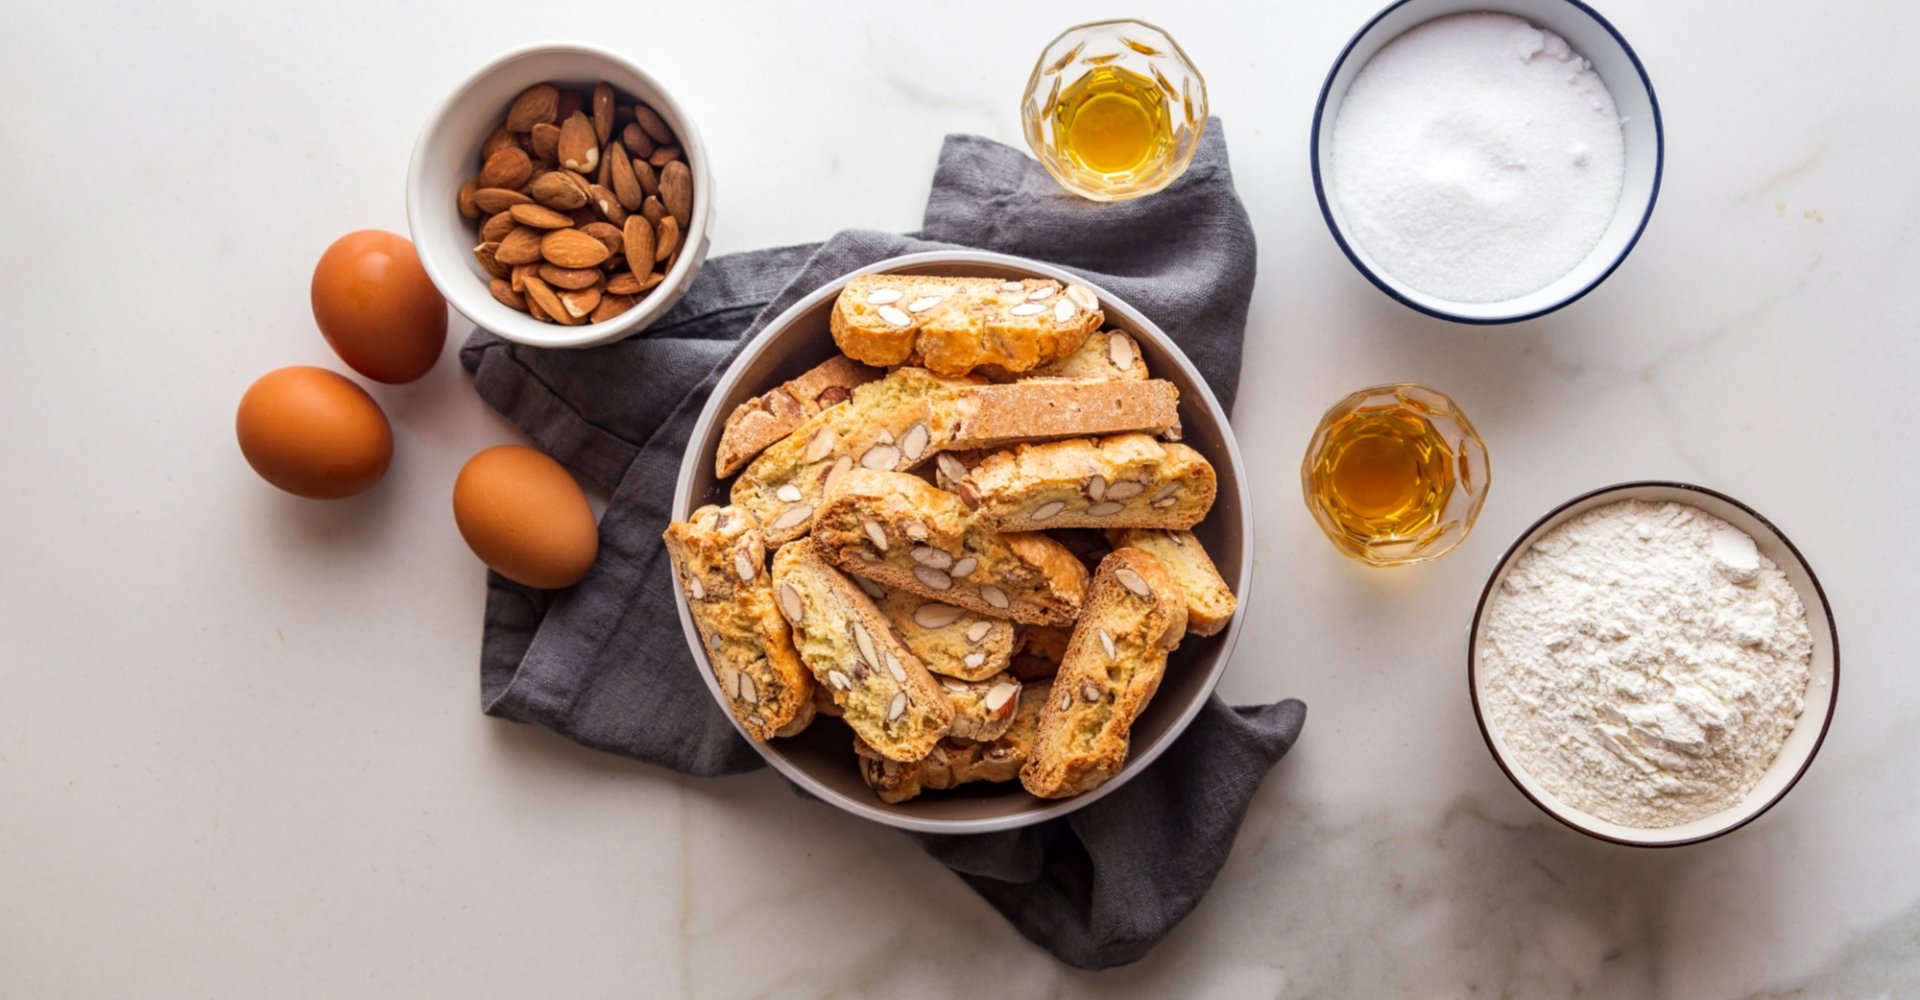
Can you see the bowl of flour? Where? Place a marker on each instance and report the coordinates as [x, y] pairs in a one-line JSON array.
[[1653, 664], [1487, 162]]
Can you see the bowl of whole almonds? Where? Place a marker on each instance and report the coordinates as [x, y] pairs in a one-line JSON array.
[[560, 197]]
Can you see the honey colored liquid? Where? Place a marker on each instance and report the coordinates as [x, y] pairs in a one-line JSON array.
[[1383, 473], [1113, 121]]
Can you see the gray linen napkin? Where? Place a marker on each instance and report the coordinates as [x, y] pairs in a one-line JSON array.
[[604, 662]]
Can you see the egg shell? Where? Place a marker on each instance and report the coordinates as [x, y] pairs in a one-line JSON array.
[[313, 433], [377, 308], [525, 517]]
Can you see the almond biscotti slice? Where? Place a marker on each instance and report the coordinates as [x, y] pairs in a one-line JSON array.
[[949, 640], [953, 762], [884, 693], [1210, 602], [893, 423], [1123, 481], [1135, 616], [901, 532], [954, 325], [774, 414], [1038, 409], [983, 709], [1109, 354], [720, 561]]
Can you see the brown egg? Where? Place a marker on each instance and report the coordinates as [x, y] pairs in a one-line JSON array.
[[313, 433], [376, 307], [525, 517]]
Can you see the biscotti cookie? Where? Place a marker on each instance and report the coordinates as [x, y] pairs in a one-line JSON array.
[[1036, 409], [901, 532], [1123, 481], [1210, 602], [884, 693], [893, 423], [772, 415], [949, 640], [1107, 354], [1135, 616], [954, 325], [719, 561], [952, 762], [983, 709]]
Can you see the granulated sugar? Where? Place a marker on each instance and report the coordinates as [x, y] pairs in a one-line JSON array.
[[1477, 158]]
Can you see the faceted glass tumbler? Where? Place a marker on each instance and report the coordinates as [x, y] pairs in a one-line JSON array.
[[1455, 451], [1137, 48]]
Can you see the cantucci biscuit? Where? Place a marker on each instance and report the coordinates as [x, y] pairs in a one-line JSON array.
[[952, 762], [719, 562], [954, 325], [883, 692], [1127, 480], [774, 414], [1210, 602], [982, 709], [1135, 616], [948, 639], [901, 532], [1109, 354]]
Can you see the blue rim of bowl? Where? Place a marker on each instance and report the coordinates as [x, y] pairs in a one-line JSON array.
[[1326, 210], [1521, 543]]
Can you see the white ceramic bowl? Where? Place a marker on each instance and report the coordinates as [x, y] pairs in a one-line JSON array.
[[447, 154], [821, 760], [1802, 743], [1591, 36]]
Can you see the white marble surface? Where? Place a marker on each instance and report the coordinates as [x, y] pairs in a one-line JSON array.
[[240, 746]]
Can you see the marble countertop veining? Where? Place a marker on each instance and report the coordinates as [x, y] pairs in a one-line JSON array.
[[240, 745]]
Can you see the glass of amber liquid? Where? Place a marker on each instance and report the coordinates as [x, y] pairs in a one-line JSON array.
[[1114, 110], [1395, 474]]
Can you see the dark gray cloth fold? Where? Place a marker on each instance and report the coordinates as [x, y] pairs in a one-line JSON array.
[[605, 664]]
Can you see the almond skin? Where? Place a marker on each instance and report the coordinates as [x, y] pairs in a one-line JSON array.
[[509, 168], [503, 292], [602, 112], [653, 210], [554, 190], [539, 216], [664, 155], [536, 104], [609, 205], [623, 283], [580, 303], [666, 240], [626, 186], [498, 199], [539, 294], [648, 177], [468, 209], [484, 253], [496, 227], [546, 142], [638, 237], [676, 192], [611, 306], [636, 140], [578, 151], [651, 123], [522, 246], [572, 248], [497, 140], [606, 233], [570, 278]]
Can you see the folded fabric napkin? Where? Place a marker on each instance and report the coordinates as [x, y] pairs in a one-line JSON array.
[[605, 664]]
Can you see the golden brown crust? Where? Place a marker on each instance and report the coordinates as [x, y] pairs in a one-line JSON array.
[[719, 562], [1210, 602], [1037, 409], [772, 415], [883, 692], [1135, 616], [1108, 354], [954, 325], [900, 531], [953, 762], [1123, 481], [982, 709]]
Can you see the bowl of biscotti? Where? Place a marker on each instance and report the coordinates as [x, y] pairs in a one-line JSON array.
[[960, 539]]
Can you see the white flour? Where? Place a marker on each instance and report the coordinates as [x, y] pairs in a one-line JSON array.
[[1477, 158], [1645, 663]]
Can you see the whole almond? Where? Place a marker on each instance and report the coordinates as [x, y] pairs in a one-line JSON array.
[[499, 199], [624, 283], [572, 248], [579, 303], [503, 292], [497, 140], [549, 303], [654, 125], [626, 186], [465, 199], [536, 104], [666, 240], [522, 246], [496, 227], [484, 253], [571, 100], [648, 177], [652, 279], [638, 237], [539, 216], [609, 205], [653, 210], [602, 112], [664, 155], [608, 234], [534, 310], [676, 192], [557, 189], [521, 272], [545, 140], [571, 278], [578, 151], [509, 168], [610, 306], [636, 140]]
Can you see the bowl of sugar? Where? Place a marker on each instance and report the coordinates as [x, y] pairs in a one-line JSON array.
[[1653, 664], [1487, 161]]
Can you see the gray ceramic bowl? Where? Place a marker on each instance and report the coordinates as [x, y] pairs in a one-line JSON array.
[[821, 760], [1802, 743]]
